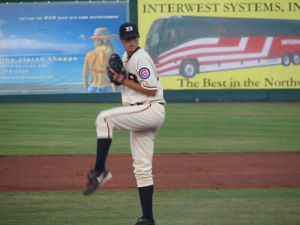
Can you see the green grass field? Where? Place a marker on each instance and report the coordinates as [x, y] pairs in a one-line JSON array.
[[180, 207], [59, 129], [68, 129]]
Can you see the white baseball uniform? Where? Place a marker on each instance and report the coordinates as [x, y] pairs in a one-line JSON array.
[[142, 115]]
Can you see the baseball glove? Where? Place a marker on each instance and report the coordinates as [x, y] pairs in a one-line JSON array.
[[115, 63]]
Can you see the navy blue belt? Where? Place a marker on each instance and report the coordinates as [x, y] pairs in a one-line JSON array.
[[140, 103]]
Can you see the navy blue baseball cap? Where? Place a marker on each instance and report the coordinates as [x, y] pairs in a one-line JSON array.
[[128, 30]]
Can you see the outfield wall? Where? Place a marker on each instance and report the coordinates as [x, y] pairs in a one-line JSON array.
[[183, 95], [170, 96]]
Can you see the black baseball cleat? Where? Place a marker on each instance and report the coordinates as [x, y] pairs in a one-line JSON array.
[[145, 221], [95, 180]]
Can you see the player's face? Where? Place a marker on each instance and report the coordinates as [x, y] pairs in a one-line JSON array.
[[130, 44]]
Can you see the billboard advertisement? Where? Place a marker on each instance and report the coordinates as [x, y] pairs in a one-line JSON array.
[[58, 47], [200, 44]]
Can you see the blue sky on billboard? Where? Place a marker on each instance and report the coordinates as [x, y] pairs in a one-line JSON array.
[[56, 28]]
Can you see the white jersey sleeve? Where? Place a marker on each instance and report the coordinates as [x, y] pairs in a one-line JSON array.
[[147, 75], [140, 68]]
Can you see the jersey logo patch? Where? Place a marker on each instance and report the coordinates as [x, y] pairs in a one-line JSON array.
[[144, 73]]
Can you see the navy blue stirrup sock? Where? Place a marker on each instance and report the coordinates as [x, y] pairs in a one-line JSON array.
[[103, 145], [146, 196]]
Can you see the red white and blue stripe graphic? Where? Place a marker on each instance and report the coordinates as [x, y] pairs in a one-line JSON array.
[[215, 54]]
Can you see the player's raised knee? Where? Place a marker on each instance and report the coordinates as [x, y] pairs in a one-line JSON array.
[[101, 120]]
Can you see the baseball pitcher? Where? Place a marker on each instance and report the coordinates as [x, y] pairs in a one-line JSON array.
[[142, 114]]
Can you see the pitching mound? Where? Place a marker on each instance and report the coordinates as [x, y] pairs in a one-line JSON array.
[[177, 171]]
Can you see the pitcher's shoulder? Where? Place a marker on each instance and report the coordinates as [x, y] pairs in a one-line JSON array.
[[142, 52]]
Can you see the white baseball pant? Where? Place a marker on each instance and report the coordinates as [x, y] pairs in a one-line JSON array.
[[143, 122]]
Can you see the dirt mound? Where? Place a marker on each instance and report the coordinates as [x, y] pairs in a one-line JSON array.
[[175, 171]]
